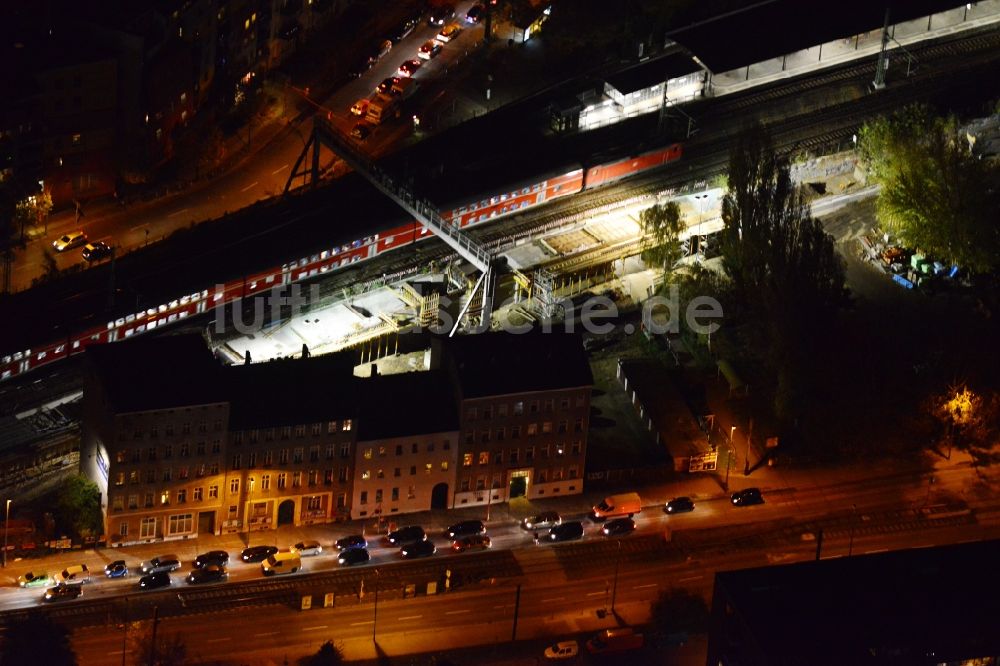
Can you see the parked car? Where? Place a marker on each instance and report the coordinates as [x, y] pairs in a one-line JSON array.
[[96, 251], [418, 549], [35, 580], [212, 557], [544, 520], [257, 553], [405, 28], [211, 573], [480, 541], [282, 562], [74, 575], [407, 534], [429, 49], [562, 650], [163, 563], [440, 15], [475, 13], [352, 541], [408, 68], [618, 526], [361, 131], [360, 108], [465, 528], [62, 593], [116, 569], [385, 86], [566, 531], [679, 505], [747, 496], [351, 556], [448, 33], [69, 241], [154, 581], [308, 548]]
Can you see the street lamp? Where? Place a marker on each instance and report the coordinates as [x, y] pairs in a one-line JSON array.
[[375, 612], [6, 528], [701, 199], [746, 464]]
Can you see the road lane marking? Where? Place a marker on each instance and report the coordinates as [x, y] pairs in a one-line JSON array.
[[544, 601], [878, 550], [684, 580], [182, 210], [500, 607], [358, 624], [410, 617], [643, 587], [279, 170], [269, 633], [458, 612], [219, 640], [250, 186], [595, 594], [317, 628]]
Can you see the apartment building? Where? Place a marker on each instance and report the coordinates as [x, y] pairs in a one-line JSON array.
[[407, 445], [524, 415]]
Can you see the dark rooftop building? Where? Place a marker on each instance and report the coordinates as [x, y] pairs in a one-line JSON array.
[[920, 606], [412, 403]]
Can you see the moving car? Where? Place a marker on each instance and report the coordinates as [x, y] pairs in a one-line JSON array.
[[212, 573], [480, 541], [212, 557], [619, 639], [74, 575], [360, 108], [465, 528], [475, 13], [448, 33], [408, 68], [407, 534], [307, 548], [69, 241], [361, 131], [418, 549], [430, 49], [163, 563], [352, 541], [96, 251], [562, 650], [154, 581], [439, 15], [116, 569], [617, 506], [566, 531], [544, 520], [618, 526], [350, 556], [257, 553], [62, 593], [385, 87], [746, 497], [679, 505], [282, 562], [35, 580]]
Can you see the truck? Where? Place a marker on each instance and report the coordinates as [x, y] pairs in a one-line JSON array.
[[615, 640], [404, 88], [382, 108], [617, 506]]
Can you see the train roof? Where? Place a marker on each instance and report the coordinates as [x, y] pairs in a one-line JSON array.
[[164, 372], [774, 28], [411, 403]]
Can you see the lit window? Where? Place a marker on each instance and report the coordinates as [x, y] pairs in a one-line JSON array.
[[467, 460]]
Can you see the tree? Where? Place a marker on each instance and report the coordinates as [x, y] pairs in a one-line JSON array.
[[662, 227], [170, 648], [36, 639], [34, 210], [934, 193], [969, 421], [77, 507], [329, 654], [785, 276]]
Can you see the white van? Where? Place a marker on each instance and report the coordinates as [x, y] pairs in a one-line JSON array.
[[281, 562]]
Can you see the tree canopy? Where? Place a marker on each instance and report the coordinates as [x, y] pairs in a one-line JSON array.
[[78, 507], [662, 227], [934, 193], [36, 639], [329, 654]]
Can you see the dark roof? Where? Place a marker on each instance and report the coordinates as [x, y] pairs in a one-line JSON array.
[[773, 28], [653, 71], [506, 363], [292, 391], [410, 403], [157, 372], [932, 605]]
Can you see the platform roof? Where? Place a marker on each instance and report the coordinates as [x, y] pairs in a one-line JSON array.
[[917, 606], [655, 70], [774, 28]]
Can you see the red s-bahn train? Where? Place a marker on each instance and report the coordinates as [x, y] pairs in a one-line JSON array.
[[543, 188]]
